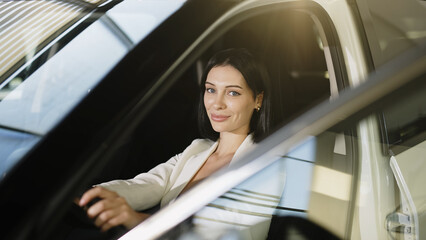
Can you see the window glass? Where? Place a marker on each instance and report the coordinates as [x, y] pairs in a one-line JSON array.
[[138, 18], [405, 121], [46, 95], [250, 206], [392, 29], [26, 25], [311, 181], [31, 105]]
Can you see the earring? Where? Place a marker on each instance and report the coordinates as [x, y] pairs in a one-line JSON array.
[[257, 109]]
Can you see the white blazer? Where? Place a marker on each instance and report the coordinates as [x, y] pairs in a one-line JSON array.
[[163, 183]]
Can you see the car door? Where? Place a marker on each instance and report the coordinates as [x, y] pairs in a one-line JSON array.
[[248, 200]]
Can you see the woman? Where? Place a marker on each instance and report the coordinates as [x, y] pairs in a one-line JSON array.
[[233, 115]]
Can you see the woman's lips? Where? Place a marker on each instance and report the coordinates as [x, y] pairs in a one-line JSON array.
[[219, 118]]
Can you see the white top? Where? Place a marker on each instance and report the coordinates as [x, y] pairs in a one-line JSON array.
[[163, 183]]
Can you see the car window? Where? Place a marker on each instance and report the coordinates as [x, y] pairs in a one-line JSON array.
[[294, 48], [65, 63], [393, 29], [339, 179]]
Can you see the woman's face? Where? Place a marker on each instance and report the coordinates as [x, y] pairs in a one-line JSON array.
[[229, 101]]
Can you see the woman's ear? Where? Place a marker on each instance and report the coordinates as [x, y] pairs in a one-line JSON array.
[[259, 100]]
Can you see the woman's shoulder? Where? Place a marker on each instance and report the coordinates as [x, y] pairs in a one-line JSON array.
[[201, 143], [197, 146]]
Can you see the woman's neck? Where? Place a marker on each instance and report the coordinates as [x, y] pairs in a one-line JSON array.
[[229, 143]]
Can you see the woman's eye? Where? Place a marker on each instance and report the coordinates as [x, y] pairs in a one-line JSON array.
[[210, 90], [234, 93]]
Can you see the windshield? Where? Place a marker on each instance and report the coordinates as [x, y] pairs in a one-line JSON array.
[[54, 53]]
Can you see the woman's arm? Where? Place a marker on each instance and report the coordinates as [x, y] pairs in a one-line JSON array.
[[146, 189], [120, 200]]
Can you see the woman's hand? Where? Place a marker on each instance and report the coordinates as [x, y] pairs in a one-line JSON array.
[[112, 210]]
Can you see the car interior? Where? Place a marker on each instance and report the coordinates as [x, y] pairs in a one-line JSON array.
[[286, 42], [290, 48]]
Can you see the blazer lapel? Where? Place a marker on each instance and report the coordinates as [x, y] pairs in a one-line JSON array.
[[194, 163], [244, 148], [190, 168]]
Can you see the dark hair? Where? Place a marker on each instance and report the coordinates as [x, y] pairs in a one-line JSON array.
[[256, 78]]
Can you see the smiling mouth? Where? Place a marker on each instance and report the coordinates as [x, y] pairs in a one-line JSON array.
[[219, 118]]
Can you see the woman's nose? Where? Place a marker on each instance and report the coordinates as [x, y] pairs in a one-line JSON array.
[[219, 102]]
